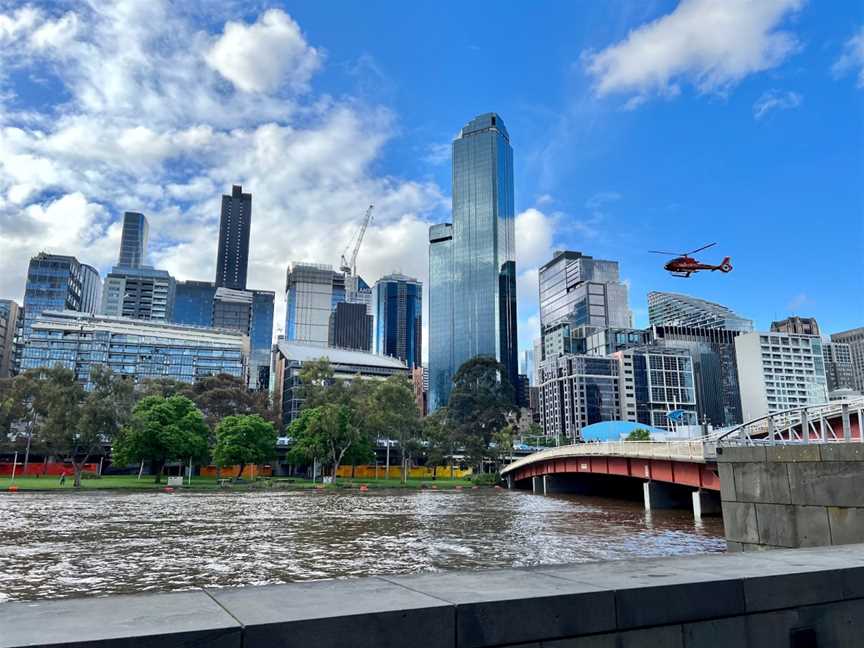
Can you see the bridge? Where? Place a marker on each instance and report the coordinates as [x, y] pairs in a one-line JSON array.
[[669, 471]]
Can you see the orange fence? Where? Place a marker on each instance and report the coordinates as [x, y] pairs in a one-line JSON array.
[[419, 472], [249, 471], [40, 469]]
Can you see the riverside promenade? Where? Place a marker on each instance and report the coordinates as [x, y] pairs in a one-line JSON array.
[[766, 599]]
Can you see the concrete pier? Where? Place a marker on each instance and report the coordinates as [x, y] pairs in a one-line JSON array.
[[801, 597]]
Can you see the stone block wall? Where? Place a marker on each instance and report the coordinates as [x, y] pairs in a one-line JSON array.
[[801, 495]]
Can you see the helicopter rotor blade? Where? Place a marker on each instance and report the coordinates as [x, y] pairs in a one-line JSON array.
[[704, 247], [669, 253]]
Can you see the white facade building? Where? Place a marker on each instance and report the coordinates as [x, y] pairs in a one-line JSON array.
[[779, 371]]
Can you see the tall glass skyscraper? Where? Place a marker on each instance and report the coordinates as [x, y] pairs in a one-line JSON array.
[[133, 242], [441, 283], [232, 260], [482, 264], [398, 318], [672, 309], [193, 303]]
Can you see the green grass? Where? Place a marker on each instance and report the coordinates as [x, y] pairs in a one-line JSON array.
[[131, 482]]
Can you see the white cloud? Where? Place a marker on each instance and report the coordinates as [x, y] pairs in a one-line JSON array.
[[797, 302], [142, 122], [852, 59], [535, 232], [712, 44], [775, 100], [265, 55]]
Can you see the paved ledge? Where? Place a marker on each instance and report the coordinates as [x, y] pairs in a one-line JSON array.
[[764, 599]]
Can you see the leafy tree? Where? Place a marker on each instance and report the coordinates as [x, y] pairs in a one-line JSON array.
[[163, 430], [325, 433], [163, 387], [480, 403], [640, 434], [503, 440], [318, 383], [244, 439], [438, 440], [19, 418], [395, 415], [225, 395]]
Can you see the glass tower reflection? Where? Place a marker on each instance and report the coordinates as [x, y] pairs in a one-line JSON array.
[[482, 268]]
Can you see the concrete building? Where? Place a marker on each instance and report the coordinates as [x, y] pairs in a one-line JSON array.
[[138, 348], [351, 327], [479, 273], [289, 358], [235, 224], [779, 371], [672, 309], [312, 291], [193, 303], [399, 318], [11, 320], [139, 293], [133, 241], [839, 369], [795, 324], [855, 339]]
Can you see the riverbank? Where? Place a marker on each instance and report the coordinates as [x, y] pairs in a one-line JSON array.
[[146, 483]]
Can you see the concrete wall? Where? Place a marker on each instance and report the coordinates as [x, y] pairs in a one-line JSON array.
[[802, 597], [792, 496]]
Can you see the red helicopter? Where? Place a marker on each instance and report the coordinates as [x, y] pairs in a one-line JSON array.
[[683, 265]]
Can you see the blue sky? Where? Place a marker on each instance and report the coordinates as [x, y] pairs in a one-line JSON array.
[[635, 126]]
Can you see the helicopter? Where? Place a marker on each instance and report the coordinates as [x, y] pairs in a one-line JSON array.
[[683, 265]]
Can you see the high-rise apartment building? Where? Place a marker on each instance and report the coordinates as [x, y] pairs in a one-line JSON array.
[[193, 303], [133, 241], [671, 309], [10, 321], [350, 327], [441, 296], [839, 369], [795, 324], [399, 318], [779, 371], [139, 293], [855, 339], [232, 260], [482, 264]]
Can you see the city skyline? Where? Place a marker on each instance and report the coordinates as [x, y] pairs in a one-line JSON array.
[[732, 175]]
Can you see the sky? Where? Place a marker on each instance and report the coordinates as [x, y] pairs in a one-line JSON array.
[[636, 125]]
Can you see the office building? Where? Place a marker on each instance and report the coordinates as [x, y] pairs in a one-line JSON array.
[[133, 241], [521, 388], [351, 327], [232, 260], [839, 368], [139, 293], [399, 318], [779, 371], [671, 309], [358, 291], [193, 303], [441, 295], [311, 293], [605, 342], [526, 364], [855, 339], [11, 320], [141, 349], [232, 309], [482, 263], [251, 313], [290, 357], [537, 358], [799, 325]]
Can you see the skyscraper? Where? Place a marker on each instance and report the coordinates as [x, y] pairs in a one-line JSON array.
[[311, 293], [482, 264], [193, 303], [855, 339], [133, 242], [139, 293], [671, 309], [441, 287], [350, 327], [839, 369], [251, 313], [398, 318], [232, 259], [10, 313]]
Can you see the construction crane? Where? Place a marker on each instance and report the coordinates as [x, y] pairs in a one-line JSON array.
[[349, 266]]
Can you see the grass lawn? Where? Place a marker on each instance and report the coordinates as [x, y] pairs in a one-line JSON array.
[[131, 482]]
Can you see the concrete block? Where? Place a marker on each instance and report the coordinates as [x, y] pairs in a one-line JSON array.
[[341, 613], [835, 624], [727, 482], [662, 592], [847, 524], [739, 454], [140, 621], [793, 526], [842, 451], [717, 633], [739, 521], [513, 606], [733, 547], [827, 483], [793, 453], [664, 637], [762, 482]]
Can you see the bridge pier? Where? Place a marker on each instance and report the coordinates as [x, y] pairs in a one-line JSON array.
[[705, 503], [535, 481], [658, 495]]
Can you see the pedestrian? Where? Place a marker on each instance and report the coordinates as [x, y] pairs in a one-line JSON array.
[[62, 477]]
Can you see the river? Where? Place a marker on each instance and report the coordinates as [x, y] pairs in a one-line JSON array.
[[56, 545]]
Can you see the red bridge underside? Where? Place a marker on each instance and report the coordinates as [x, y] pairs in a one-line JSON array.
[[685, 473]]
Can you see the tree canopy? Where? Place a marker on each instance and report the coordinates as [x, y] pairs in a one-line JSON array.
[[244, 439]]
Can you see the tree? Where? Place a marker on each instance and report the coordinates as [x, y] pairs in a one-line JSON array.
[[325, 433], [395, 414], [163, 430], [223, 395], [640, 434], [318, 383], [503, 440], [480, 403], [437, 439], [244, 439]]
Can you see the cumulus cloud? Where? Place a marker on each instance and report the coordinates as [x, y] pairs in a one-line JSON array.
[[535, 232], [143, 119], [262, 56], [852, 58], [775, 100], [712, 44]]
